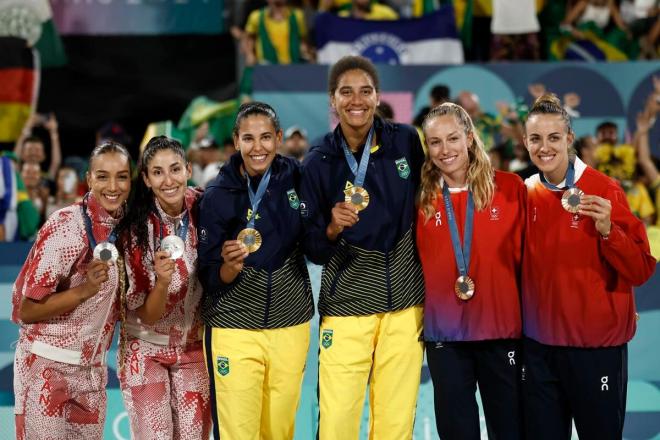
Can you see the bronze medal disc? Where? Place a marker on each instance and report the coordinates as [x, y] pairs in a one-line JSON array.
[[251, 238], [570, 200], [464, 287], [357, 196]]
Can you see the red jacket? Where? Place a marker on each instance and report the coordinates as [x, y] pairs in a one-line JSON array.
[[577, 286], [494, 310]]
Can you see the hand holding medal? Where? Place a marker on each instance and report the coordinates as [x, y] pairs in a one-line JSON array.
[[163, 266], [97, 274], [344, 215], [234, 253], [600, 210]]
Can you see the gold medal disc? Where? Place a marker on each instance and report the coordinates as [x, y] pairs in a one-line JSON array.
[[570, 200], [464, 287], [251, 238], [106, 251], [357, 196]]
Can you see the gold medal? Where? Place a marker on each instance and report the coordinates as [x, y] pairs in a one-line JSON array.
[[251, 238], [106, 251], [357, 196], [570, 200], [464, 287]]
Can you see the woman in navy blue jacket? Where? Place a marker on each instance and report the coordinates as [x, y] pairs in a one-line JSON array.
[[258, 299], [358, 192]]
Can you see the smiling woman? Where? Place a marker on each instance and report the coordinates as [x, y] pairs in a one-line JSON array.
[[65, 300], [584, 251], [359, 190], [472, 324], [258, 299], [160, 312]]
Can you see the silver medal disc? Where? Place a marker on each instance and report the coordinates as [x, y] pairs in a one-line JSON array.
[[174, 245], [106, 251]]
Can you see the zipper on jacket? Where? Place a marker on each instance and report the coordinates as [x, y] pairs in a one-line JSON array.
[[268, 298], [387, 280]]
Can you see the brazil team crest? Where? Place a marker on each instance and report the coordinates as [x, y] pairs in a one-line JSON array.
[[326, 338], [223, 365], [402, 167], [293, 198]]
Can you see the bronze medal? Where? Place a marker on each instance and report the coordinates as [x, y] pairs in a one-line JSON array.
[[570, 200], [251, 238], [357, 196], [464, 287]]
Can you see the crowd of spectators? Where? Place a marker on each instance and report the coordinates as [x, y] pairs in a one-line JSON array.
[[279, 31], [51, 183], [282, 31]]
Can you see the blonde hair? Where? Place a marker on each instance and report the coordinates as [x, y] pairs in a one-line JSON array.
[[480, 173]]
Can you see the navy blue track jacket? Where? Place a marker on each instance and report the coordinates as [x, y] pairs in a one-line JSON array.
[[373, 266], [273, 289]]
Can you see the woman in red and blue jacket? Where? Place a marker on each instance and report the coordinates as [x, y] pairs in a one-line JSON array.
[[584, 252], [469, 234]]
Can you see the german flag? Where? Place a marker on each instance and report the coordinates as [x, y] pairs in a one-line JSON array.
[[18, 80]]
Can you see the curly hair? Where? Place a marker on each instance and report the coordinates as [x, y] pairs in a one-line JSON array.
[[480, 173], [351, 62]]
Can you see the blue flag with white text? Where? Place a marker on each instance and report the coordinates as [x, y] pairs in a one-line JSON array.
[[430, 39]]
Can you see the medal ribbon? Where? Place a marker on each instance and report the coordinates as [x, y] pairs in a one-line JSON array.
[[361, 171], [88, 226], [255, 199], [570, 177], [462, 254], [181, 230]]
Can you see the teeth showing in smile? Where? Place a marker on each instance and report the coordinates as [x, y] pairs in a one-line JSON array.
[[112, 198], [259, 158], [448, 160], [170, 191], [546, 158]]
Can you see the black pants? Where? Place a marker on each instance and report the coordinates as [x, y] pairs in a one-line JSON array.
[[586, 384], [456, 368]]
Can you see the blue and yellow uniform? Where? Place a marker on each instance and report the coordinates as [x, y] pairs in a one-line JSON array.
[[372, 287], [257, 332]]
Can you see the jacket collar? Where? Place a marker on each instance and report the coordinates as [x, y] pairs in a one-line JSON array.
[[189, 199], [98, 214]]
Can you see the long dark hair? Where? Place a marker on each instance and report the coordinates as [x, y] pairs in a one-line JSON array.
[[142, 202]]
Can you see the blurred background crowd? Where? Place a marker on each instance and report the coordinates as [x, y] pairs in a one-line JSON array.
[[43, 171]]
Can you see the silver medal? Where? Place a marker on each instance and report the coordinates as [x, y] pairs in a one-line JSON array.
[[174, 245], [106, 251]]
